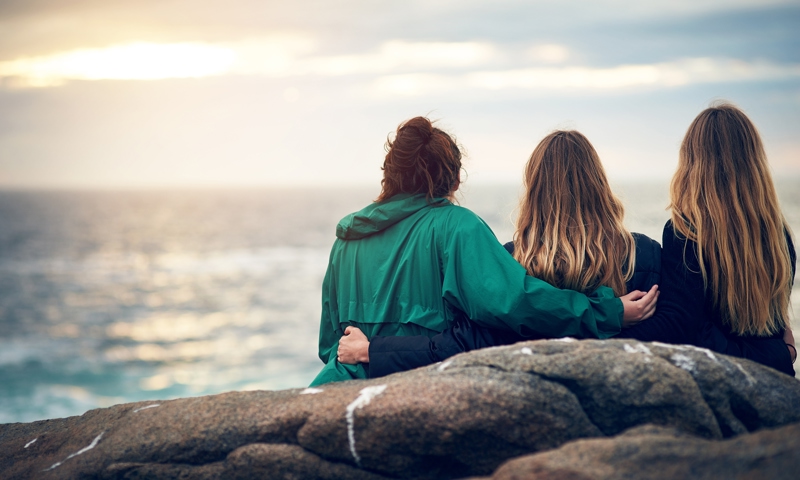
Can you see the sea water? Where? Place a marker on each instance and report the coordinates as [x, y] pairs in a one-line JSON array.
[[111, 297]]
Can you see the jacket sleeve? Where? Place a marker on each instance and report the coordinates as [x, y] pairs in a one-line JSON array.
[[389, 355], [330, 332], [491, 288], [681, 305]]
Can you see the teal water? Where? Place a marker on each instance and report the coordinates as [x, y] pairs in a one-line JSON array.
[[111, 297]]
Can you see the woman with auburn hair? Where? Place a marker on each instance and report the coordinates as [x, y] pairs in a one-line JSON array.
[[406, 264], [569, 232], [728, 260]]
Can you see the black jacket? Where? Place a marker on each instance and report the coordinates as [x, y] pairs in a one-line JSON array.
[[685, 314], [395, 354]]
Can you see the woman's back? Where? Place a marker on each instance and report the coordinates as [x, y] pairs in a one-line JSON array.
[[728, 259]]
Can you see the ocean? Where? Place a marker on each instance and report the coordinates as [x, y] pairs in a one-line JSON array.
[[109, 297]]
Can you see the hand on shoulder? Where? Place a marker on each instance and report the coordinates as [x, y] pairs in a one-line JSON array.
[[638, 306]]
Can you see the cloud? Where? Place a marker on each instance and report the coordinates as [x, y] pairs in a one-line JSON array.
[[580, 78], [397, 67], [401, 55], [277, 56], [549, 53]]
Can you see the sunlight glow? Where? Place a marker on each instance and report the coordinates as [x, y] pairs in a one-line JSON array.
[[136, 61], [275, 56], [401, 67]]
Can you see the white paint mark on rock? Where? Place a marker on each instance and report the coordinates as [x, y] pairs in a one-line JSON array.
[[668, 345], [364, 397], [684, 362], [706, 351], [444, 365], [526, 351], [750, 379], [145, 408], [564, 339], [639, 348], [31, 442], [311, 391], [709, 354], [79, 452]]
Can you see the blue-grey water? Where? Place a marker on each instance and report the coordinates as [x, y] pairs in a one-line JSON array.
[[110, 297]]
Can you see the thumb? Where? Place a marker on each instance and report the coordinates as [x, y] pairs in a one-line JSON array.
[[348, 330]]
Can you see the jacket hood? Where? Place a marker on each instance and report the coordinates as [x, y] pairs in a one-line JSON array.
[[377, 217]]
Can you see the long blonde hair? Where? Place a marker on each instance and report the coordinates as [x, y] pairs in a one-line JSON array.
[[722, 198], [570, 231]]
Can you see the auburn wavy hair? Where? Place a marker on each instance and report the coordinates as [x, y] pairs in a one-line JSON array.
[[722, 198], [421, 159], [570, 229]]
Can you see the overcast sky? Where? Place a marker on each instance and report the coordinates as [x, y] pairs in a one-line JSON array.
[[102, 94]]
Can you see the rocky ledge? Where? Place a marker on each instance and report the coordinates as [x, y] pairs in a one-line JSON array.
[[560, 409]]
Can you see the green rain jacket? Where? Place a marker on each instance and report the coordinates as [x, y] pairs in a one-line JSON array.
[[404, 266]]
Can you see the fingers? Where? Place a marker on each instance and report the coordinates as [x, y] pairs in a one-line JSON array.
[[651, 298], [651, 308], [651, 295], [638, 306], [634, 295], [648, 302]]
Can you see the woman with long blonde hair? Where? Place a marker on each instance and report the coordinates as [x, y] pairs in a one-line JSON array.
[[728, 260], [569, 232], [570, 229]]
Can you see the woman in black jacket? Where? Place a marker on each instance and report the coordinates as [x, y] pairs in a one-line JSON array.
[[728, 261], [569, 232]]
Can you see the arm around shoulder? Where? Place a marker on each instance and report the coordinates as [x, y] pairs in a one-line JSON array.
[[486, 283]]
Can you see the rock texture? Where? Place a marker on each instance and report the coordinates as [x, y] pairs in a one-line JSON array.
[[464, 417], [658, 453]]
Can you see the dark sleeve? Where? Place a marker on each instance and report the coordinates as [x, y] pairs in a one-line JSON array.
[[681, 304], [389, 355], [647, 270]]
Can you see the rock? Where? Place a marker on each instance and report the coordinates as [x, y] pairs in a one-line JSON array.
[[461, 418], [658, 453]]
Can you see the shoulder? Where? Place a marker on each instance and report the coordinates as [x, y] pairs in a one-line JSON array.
[[648, 253], [671, 237], [457, 217], [645, 243], [647, 266], [676, 249], [453, 226]]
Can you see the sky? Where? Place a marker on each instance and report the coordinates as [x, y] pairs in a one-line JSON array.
[[204, 93]]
